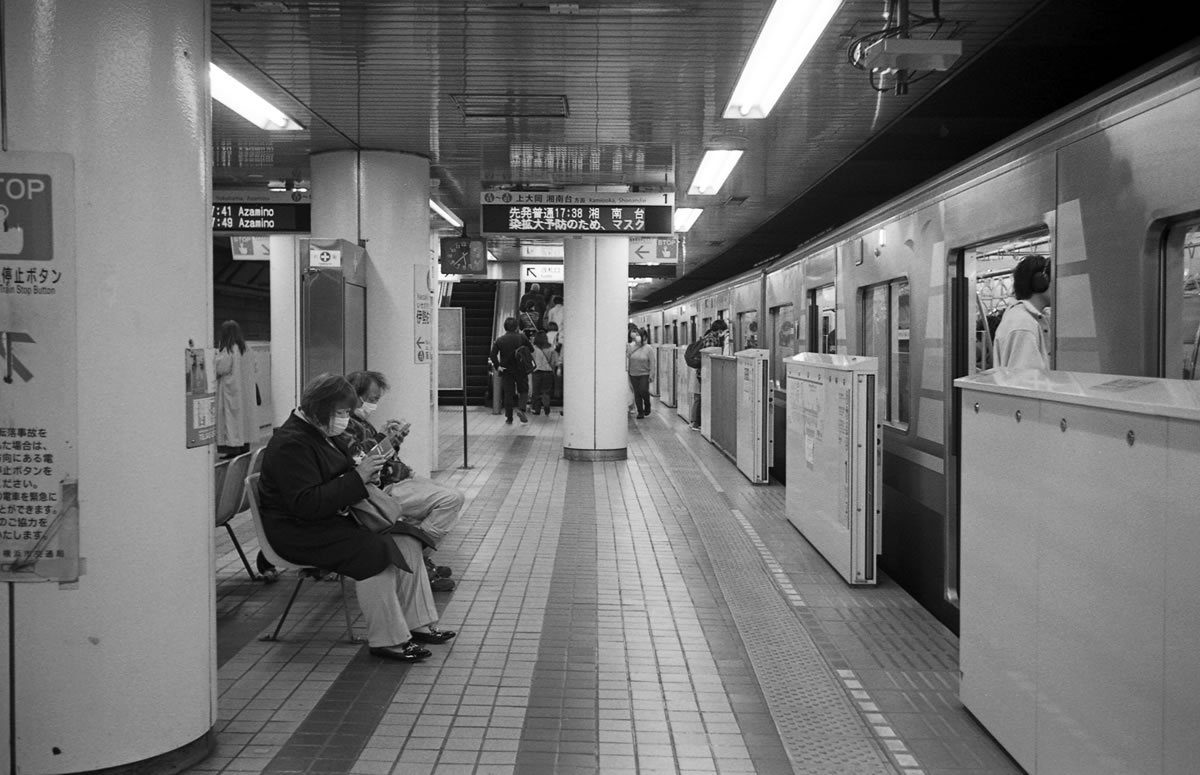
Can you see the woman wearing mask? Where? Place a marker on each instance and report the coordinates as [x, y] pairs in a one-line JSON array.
[[236, 425], [638, 363], [308, 484]]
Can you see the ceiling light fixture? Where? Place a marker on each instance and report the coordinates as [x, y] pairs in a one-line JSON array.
[[789, 33], [236, 96], [685, 217], [445, 214], [714, 168]]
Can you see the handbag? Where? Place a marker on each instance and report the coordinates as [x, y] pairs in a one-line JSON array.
[[378, 511], [381, 513]]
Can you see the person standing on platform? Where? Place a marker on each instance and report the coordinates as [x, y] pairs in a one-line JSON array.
[[1023, 331], [555, 313], [236, 423], [533, 304], [638, 362], [713, 337], [514, 384], [545, 366]]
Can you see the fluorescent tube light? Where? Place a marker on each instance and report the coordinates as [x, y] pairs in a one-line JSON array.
[[714, 168], [236, 96], [446, 215], [789, 33], [685, 217]]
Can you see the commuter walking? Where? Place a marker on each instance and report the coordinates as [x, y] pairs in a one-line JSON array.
[[533, 304], [555, 313], [514, 384], [637, 363], [1022, 333]]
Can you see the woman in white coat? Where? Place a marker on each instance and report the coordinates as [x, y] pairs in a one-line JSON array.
[[235, 393]]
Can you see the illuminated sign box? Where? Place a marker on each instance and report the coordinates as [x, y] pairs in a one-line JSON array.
[[262, 217], [513, 212]]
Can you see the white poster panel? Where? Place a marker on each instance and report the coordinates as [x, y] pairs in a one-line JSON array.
[[39, 421]]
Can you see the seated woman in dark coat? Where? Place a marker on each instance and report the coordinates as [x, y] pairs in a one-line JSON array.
[[307, 485]]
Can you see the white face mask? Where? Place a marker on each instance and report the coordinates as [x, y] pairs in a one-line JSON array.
[[367, 409], [338, 425]]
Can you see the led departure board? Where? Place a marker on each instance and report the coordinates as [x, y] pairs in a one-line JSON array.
[[521, 212], [262, 217]]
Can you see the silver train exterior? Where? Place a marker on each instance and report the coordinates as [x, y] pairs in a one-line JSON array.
[[1108, 188]]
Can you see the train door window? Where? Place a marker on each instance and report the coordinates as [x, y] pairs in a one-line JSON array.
[[747, 330], [822, 319], [885, 321], [783, 343], [1181, 312], [988, 270]]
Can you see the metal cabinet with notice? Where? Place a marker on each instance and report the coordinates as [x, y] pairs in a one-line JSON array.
[[333, 307]]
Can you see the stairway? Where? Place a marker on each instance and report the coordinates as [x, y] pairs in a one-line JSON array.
[[478, 301]]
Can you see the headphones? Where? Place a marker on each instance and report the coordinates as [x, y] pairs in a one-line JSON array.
[[1040, 281]]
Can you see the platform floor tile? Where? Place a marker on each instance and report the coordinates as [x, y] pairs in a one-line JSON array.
[[653, 615]]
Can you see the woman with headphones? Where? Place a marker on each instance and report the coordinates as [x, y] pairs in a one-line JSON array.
[[1021, 335]]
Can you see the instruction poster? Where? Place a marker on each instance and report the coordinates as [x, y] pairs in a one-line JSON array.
[[39, 421], [200, 384]]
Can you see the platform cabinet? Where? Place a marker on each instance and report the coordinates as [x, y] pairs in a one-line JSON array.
[[834, 457], [333, 307], [754, 415]]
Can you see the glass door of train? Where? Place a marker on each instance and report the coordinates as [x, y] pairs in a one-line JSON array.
[[980, 282]]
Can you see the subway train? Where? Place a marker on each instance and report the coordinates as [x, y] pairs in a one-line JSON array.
[[1108, 189]]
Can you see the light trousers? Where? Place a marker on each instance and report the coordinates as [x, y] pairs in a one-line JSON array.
[[393, 600], [433, 507]]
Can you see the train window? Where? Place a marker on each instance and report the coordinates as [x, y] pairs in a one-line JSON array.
[[747, 330], [783, 343], [822, 320], [1182, 256], [991, 266], [885, 322]]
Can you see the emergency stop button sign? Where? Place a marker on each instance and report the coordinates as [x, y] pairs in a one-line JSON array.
[[26, 230]]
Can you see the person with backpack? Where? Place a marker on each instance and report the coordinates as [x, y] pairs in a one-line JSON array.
[[545, 366], [514, 367], [713, 337]]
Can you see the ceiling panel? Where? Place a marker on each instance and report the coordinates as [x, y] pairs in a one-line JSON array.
[[634, 93]]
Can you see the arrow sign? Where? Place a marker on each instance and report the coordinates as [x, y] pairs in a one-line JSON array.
[[640, 252]]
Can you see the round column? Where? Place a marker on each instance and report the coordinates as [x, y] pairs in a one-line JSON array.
[[383, 198], [595, 384], [118, 668]]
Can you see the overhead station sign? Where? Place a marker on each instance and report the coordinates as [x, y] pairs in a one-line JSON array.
[[594, 214], [262, 212]]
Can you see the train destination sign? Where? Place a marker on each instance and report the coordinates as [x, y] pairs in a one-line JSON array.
[[262, 217], [553, 212]]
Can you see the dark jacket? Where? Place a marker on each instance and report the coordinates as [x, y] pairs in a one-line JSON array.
[[505, 347], [306, 486]]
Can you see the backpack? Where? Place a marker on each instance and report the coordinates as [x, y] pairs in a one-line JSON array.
[[691, 356], [524, 358]]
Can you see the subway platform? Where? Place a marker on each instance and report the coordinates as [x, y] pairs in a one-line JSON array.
[[656, 615]]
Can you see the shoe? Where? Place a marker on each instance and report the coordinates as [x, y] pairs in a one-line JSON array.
[[508, 421], [547, 411], [522, 416], [405, 652], [641, 416], [441, 584], [433, 636], [437, 571], [695, 427]]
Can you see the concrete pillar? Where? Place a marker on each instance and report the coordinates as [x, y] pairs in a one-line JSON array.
[[383, 198], [595, 384], [119, 667]]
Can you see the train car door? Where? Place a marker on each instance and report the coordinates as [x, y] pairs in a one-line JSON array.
[[980, 282], [822, 319], [1180, 351]]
